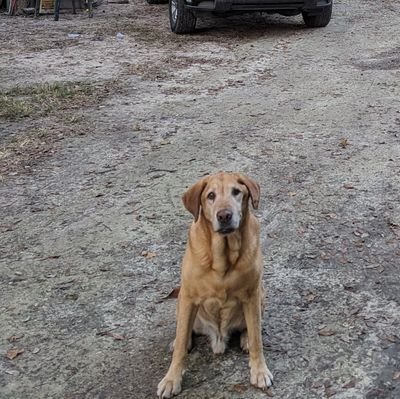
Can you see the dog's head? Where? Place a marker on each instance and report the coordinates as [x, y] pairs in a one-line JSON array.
[[222, 199]]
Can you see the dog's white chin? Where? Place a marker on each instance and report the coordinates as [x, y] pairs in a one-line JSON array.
[[226, 231]]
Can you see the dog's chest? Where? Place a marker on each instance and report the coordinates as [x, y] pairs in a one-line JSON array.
[[218, 310]]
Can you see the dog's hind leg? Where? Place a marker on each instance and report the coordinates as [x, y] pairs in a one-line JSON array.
[[244, 341], [218, 342]]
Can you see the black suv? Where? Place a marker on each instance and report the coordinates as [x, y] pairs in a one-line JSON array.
[[183, 13]]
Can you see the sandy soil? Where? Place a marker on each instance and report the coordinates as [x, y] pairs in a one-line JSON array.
[[99, 138]]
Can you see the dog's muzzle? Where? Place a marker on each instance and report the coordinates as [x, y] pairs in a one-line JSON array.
[[224, 217]]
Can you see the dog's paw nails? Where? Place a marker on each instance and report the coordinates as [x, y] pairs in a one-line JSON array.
[[168, 387], [261, 378]]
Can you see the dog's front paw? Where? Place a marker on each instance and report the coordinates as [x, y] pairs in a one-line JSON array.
[[168, 387], [261, 377]]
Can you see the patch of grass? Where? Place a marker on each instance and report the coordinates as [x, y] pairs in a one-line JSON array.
[[65, 106], [42, 99], [11, 108]]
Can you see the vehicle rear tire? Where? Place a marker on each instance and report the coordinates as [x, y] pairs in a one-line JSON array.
[[181, 19], [320, 20]]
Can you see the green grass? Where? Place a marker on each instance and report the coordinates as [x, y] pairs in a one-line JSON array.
[[42, 99]]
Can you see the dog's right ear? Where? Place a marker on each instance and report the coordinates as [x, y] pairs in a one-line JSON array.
[[192, 197]]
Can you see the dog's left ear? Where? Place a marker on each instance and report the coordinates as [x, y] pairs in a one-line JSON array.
[[253, 187], [192, 197]]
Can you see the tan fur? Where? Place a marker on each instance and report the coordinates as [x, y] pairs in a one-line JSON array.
[[221, 278]]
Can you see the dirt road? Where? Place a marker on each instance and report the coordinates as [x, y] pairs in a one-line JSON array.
[[101, 135]]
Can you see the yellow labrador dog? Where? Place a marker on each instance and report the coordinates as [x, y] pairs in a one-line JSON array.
[[221, 278]]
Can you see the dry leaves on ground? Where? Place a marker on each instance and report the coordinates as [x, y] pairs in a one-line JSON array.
[[326, 332], [15, 337], [348, 186], [173, 294], [148, 254], [350, 384], [14, 352], [116, 337]]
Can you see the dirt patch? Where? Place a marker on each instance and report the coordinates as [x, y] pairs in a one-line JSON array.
[[100, 135], [35, 114]]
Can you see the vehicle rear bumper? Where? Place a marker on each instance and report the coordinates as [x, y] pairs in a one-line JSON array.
[[223, 6]]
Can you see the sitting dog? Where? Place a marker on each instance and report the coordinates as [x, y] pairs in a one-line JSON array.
[[221, 278]]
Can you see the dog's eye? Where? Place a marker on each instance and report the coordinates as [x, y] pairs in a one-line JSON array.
[[235, 192], [211, 196]]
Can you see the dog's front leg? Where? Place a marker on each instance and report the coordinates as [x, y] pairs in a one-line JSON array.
[[170, 385], [260, 376]]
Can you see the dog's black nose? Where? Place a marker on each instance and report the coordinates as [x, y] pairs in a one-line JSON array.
[[224, 216]]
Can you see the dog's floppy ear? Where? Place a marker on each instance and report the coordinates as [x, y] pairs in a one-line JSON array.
[[253, 187], [192, 197]]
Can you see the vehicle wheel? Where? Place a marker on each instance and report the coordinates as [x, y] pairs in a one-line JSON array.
[[181, 19], [157, 1], [320, 20]]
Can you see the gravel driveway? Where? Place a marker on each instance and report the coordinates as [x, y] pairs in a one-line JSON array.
[[99, 137]]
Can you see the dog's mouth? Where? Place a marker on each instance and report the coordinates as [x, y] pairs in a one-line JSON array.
[[226, 230]]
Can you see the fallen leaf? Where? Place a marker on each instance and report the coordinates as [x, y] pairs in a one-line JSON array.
[[343, 143], [310, 297], [15, 338], [327, 383], [371, 266], [116, 337], [325, 256], [326, 332], [12, 372], [240, 388], [355, 311], [329, 392], [392, 338], [269, 393], [396, 375], [348, 186], [350, 384], [317, 384], [14, 352], [148, 254], [174, 293]]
